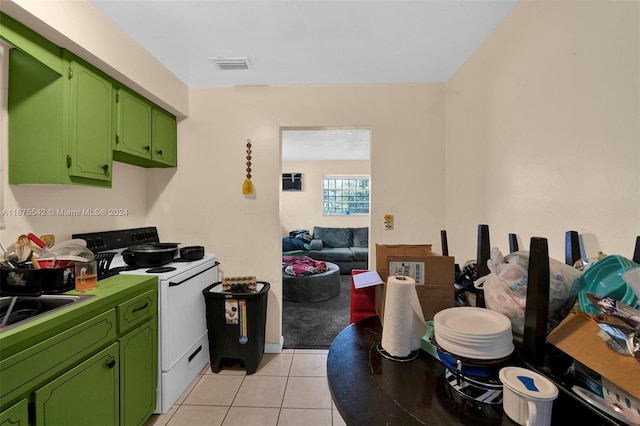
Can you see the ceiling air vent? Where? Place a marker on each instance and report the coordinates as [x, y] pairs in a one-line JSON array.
[[227, 63]]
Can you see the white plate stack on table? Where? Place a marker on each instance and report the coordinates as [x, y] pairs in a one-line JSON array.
[[474, 333], [474, 343]]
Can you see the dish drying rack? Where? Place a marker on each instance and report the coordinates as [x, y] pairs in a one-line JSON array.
[[533, 351], [103, 260]]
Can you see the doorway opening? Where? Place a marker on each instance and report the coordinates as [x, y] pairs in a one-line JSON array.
[[326, 175]]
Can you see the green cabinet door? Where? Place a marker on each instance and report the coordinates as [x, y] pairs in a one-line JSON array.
[[89, 121], [165, 138], [16, 415], [138, 373], [134, 124], [85, 395]]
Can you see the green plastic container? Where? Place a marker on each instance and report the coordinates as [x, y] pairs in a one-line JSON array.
[[604, 278]]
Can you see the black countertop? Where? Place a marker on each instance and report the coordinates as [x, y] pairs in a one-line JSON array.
[[369, 389]]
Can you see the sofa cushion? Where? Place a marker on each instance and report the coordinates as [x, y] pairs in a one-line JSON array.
[[333, 237], [342, 254], [315, 245], [360, 237], [360, 253]]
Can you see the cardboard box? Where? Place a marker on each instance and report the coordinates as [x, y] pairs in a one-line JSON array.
[[577, 336], [435, 272], [383, 252]]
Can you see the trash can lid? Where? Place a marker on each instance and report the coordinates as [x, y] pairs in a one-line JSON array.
[[218, 288]]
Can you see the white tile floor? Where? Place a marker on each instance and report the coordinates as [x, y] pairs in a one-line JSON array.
[[289, 388]]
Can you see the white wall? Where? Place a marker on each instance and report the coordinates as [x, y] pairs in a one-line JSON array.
[[303, 209], [546, 113], [203, 202]]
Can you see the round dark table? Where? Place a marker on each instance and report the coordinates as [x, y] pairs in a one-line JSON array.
[[369, 389]]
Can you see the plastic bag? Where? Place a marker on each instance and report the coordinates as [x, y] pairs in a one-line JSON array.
[[505, 287]]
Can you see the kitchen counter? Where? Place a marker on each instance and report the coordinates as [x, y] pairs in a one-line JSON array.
[[369, 389], [108, 293], [106, 343]]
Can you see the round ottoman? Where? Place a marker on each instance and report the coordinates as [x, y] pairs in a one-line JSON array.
[[312, 288]]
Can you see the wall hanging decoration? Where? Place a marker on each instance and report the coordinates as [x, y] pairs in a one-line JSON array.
[[247, 186]]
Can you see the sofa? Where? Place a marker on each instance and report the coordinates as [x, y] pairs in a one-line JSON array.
[[346, 247]]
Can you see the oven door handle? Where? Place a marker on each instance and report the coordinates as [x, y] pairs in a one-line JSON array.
[[172, 284]]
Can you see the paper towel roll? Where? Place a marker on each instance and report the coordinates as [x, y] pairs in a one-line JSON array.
[[404, 323]]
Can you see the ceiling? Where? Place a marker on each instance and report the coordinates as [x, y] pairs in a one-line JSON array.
[[309, 42]]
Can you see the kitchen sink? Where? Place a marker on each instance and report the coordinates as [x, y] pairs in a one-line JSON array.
[[22, 309]]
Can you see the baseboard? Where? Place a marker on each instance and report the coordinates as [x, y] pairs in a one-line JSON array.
[[274, 348]]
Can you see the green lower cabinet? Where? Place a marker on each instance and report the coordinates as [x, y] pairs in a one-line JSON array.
[[17, 415], [86, 395], [138, 374], [45, 359], [94, 364]]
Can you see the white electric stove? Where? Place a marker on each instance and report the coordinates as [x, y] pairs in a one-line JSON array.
[[183, 346]]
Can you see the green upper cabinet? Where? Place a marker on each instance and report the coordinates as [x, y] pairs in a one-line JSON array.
[[165, 138], [89, 121], [36, 150], [134, 124], [60, 126], [68, 120], [146, 134]]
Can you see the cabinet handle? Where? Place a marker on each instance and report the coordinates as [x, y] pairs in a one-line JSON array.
[[159, 152], [148, 148], [105, 168], [141, 307], [111, 363], [196, 352]]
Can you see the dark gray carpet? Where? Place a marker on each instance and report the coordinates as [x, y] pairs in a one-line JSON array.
[[314, 325]]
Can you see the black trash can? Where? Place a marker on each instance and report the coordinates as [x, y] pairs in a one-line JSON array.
[[236, 325]]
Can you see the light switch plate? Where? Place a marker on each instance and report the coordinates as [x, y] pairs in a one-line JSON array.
[[388, 222]]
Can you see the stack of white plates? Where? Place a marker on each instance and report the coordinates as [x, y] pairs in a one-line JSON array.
[[473, 333]]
